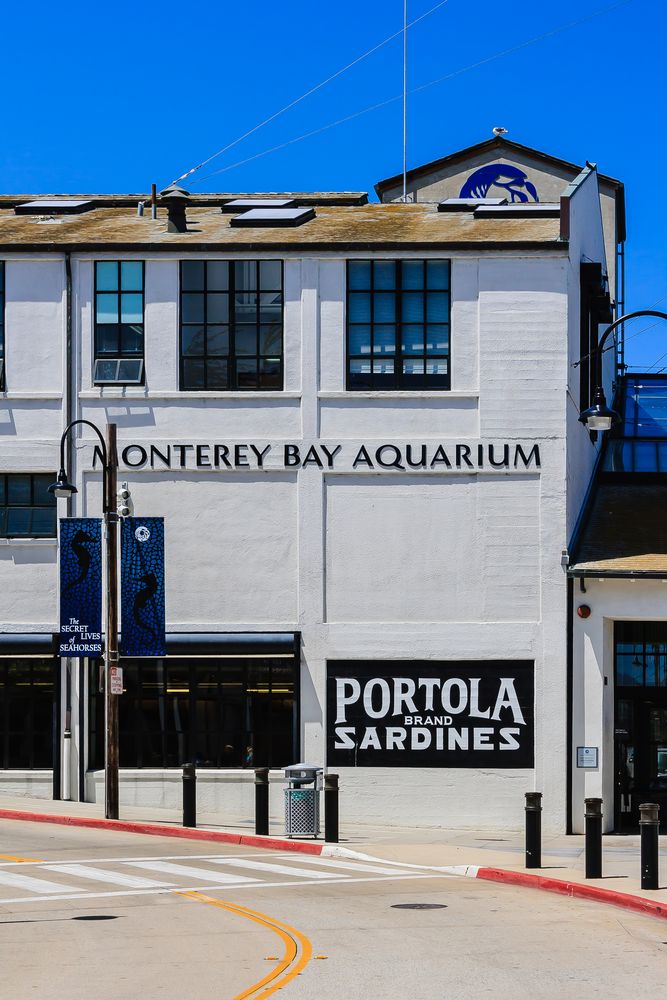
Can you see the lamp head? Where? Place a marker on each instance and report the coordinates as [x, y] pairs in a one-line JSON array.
[[598, 416], [62, 487]]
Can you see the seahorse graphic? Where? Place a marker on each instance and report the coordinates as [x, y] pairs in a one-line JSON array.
[[141, 600], [83, 556], [478, 184]]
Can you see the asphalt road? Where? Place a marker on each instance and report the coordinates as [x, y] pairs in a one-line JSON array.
[[87, 914]]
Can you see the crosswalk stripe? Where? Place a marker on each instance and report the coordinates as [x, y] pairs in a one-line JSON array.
[[265, 866], [357, 866], [40, 885], [101, 875], [206, 874]]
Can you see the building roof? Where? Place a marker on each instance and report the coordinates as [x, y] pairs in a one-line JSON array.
[[211, 198], [502, 146], [360, 226], [626, 531]]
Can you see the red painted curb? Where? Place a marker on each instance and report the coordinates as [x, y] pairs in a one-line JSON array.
[[157, 830], [577, 889]]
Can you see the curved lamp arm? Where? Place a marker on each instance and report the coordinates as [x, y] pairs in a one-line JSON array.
[[613, 326], [105, 457]]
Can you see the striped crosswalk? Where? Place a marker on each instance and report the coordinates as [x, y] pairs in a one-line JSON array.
[[92, 878]]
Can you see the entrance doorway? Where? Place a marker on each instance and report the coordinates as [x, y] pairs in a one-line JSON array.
[[640, 666]]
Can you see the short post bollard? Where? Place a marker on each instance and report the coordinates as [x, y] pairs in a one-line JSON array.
[[189, 795], [593, 829], [649, 824], [331, 808], [533, 829], [262, 801]]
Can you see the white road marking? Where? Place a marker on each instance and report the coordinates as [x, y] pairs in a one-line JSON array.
[[39, 885], [211, 888], [102, 875], [353, 865], [265, 866], [157, 857], [205, 874]]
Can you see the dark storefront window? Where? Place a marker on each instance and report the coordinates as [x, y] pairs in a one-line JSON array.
[[27, 509], [26, 712], [225, 712], [398, 324]]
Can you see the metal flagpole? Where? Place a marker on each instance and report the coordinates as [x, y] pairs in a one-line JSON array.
[[405, 100]]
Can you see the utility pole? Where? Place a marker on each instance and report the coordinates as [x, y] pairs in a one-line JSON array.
[[111, 700]]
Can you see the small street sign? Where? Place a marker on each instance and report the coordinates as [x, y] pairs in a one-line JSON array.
[[116, 680]]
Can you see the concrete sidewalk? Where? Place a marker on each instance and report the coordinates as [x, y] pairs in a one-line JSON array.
[[562, 856]]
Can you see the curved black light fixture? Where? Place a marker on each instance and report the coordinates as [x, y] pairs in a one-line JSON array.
[[599, 416], [62, 487]]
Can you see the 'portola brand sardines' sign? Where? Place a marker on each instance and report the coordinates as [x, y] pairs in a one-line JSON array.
[[80, 587], [470, 713]]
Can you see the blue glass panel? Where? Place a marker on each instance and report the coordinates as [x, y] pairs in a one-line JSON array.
[[18, 521], [192, 275], [384, 307], [360, 339], [106, 272], [131, 276], [383, 366], [439, 367], [413, 340], [192, 308], [217, 308], [437, 307], [217, 340], [413, 307], [359, 274], [361, 366], [630, 668], [437, 339], [414, 366], [270, 274], [245, 307], [18, 489], [384, 339], [384, 275], [131, 308], [245, 275], [437, 274], [216, 374], [131, 339], [217, 275], [646, 456], [193, 342], [412, 274], [360, 307], [246, 340], [43, 522], [108, 339], [270, 307], [107, 309], [270, 336]]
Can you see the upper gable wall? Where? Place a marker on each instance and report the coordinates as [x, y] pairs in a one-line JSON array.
[[550, 180]]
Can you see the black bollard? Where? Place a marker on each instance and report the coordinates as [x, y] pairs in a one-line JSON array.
[[649, 824], [533, 829], [262, 801], [189, 795], [331, 808], [593, 817]]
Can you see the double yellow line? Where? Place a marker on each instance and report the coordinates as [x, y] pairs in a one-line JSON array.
[[298, 949]]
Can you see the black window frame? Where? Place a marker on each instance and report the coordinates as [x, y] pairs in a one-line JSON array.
[[47, 478], [397, 380], [233, 358], [19, 714], [135, 734], [119, 355], [3, 289]]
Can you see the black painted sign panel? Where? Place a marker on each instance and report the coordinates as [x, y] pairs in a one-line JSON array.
[[447, 713]]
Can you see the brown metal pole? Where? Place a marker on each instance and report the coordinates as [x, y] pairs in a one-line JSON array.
[[111, 700]]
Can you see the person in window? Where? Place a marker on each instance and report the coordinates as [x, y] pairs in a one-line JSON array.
[[248, 757]]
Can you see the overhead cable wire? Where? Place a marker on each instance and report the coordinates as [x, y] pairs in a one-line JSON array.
[[415, 90], [312, 90]]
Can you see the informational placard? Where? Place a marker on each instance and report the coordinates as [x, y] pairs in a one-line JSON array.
[[587, 756], [142, 587], [464, 713], [116, 679], [80, 587]]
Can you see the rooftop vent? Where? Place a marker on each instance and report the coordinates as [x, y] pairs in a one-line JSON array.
[[175, 199], [51, 206], [467, 204], [240, 204], [269, 217]]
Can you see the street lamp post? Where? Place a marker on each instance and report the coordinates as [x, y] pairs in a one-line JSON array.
[[599, 416], [63, 488]]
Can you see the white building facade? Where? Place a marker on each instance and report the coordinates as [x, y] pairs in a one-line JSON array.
[[362, 432]]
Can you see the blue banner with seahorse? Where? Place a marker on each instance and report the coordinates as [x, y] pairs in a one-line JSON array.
[[142, 587], [80, 587]]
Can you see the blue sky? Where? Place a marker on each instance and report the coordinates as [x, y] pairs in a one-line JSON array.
[[112, 98]]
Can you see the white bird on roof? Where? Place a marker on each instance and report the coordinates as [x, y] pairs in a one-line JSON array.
[[500, 130]]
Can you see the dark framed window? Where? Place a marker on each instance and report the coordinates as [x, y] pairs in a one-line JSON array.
[[231, 325], [119, 322], [226, 712], [2, 324], [27, 509], [27, 692], [398, 324]]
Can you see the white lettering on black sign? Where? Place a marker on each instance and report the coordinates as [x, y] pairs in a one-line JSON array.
[[471, 713]]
